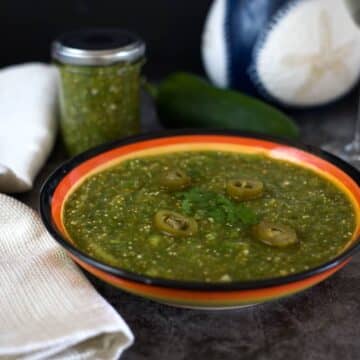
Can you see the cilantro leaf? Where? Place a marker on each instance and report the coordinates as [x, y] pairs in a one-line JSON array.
[[216, 206]]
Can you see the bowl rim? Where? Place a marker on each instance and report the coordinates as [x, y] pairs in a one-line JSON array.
[[49, 186]]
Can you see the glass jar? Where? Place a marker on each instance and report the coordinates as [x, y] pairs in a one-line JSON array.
[[99, 86]]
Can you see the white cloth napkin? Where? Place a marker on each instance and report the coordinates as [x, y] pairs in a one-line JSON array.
[[48, 309], [27, 122]]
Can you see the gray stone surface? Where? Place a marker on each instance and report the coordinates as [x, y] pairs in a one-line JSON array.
[[321, 323]]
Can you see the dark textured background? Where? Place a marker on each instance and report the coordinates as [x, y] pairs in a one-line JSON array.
[[171, 28]]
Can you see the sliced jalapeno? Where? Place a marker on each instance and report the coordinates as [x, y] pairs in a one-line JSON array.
[[242, 189], [175, 180], [276, 235], [173, 223]]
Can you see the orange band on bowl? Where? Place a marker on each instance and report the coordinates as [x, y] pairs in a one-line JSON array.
[[192, 296]]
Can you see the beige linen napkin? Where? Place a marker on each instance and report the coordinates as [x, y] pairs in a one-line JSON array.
[[28, 94], [48, 309]]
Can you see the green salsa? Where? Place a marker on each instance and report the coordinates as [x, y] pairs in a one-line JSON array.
[[98, 104], [209, 216]]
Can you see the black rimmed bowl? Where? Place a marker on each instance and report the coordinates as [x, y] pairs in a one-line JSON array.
[[194, 294]]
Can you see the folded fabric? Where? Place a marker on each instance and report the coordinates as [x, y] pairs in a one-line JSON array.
[[48, 309], [28, 96]]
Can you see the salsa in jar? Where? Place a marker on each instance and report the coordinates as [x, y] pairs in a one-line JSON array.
[[99, 86]]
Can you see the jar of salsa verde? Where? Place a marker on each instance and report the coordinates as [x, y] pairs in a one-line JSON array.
[[99, 86]]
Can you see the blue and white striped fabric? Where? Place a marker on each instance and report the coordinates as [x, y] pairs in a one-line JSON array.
[[294, 52]]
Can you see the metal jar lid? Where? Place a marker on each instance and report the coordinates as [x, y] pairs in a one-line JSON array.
[[96, 47]]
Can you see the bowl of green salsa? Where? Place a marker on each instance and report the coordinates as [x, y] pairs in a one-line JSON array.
[[205, 219]]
